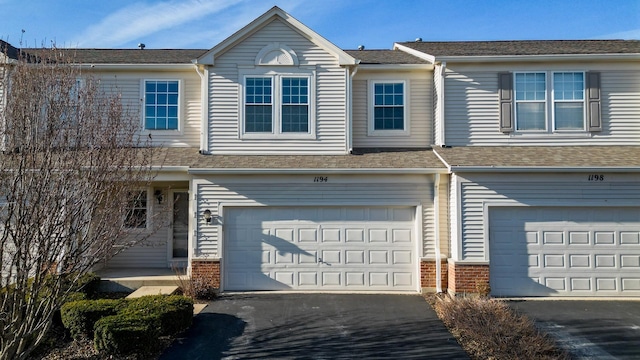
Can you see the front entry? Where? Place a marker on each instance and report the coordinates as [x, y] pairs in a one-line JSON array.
[[180, 225]]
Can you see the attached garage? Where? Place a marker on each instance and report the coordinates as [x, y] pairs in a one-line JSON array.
[[352, 248], [564, 251]]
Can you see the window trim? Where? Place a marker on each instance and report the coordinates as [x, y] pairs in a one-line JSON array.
[[277, 75], [143, 101], [371, 108], [549, 104]]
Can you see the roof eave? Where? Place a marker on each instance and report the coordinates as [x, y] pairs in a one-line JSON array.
[[542, 169], [395, 66], [536, 58], [167, 67], [231, 171]]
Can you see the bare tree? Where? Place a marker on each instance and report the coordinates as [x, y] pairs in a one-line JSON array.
[[71, 162]]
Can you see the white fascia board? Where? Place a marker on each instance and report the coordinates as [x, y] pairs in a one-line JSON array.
[[210, 171], [537, 58], [395, 67], [170, 168], [541, 169], [414, 52], [167, 67], [209, 57]]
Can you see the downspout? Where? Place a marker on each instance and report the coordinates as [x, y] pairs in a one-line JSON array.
[[443, 68], [204, 117], [349, 99], [436, 230]]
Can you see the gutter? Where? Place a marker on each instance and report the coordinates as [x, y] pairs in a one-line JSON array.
[[540, 169], [537, 58], [167, 67], [315, 171], [349, 100]]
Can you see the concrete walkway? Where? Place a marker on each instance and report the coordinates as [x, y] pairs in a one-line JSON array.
[[316, 326]]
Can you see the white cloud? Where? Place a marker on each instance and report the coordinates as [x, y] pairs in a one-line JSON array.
[[624, 35], [142, 19]]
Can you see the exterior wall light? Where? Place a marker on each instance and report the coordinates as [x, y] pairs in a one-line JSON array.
[[207, 216], [159, 196]]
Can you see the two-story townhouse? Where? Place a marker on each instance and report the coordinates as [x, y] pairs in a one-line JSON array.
[[286, 163], [541, 140]]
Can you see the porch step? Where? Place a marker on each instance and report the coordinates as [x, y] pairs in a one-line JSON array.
[[153, 290]]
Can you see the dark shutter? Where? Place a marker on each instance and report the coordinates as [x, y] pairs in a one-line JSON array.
[[505, 87], [594, 118]]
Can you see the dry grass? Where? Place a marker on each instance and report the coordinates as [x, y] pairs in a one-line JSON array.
[[490, 329]]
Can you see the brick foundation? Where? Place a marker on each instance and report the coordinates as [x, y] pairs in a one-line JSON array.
[[207, 271], [468, 279], [428, 275]]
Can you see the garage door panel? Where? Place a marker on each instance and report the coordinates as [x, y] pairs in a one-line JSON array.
[[582, 252], [319, 249]]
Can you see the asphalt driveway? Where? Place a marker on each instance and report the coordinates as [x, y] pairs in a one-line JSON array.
[[599, 329], [316, 326]]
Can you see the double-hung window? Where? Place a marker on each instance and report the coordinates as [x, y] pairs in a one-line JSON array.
[[540, 106], [568, 100], [161, 104], [278, 106], [388, 108]]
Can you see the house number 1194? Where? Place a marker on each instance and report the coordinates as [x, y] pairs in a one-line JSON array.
[[320, 179]]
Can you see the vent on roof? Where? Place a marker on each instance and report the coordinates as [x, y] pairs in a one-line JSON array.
[[419, 39], [141, 46], [360, 47]]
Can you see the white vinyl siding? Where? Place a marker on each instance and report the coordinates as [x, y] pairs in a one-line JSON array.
[[472, 110], [340, 190], [481, 191], [225, 96], [130, 85], [419, 96]]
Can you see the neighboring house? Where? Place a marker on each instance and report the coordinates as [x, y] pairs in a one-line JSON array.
[[291, 164]]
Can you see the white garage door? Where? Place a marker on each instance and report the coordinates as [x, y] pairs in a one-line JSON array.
[[321, 248], [547, 251]]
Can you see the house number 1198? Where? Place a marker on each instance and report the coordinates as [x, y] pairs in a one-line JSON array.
[[595, 177]]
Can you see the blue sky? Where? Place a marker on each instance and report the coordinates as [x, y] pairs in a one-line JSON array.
[[377, 24]]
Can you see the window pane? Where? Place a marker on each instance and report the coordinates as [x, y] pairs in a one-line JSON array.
[[530, 86], [530, 116], [568, 86], [258, 118], [569, 115], [295, 118], [136, 215]]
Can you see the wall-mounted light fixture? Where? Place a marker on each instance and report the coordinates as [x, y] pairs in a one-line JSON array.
[[207, 216], [159, 196]]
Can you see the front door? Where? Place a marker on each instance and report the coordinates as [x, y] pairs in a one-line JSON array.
[[180, 225]]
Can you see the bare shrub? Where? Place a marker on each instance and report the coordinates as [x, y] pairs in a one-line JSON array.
[[194, 288], [489, 329]]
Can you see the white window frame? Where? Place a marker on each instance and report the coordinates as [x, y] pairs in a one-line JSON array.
[[276, 76], [143, 97], [549, 103], [371, 108]]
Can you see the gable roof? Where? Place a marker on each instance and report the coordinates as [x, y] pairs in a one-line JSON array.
[[525, 47], [266, 18], [9, 50], [542, 158]]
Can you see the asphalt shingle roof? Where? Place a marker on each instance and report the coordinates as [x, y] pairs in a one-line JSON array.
[[525, 47], [542, 156], [127, 56], [360, 159], [385, 57]]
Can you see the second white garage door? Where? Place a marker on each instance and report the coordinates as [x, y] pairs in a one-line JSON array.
[[321, 248], [564, 251]]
